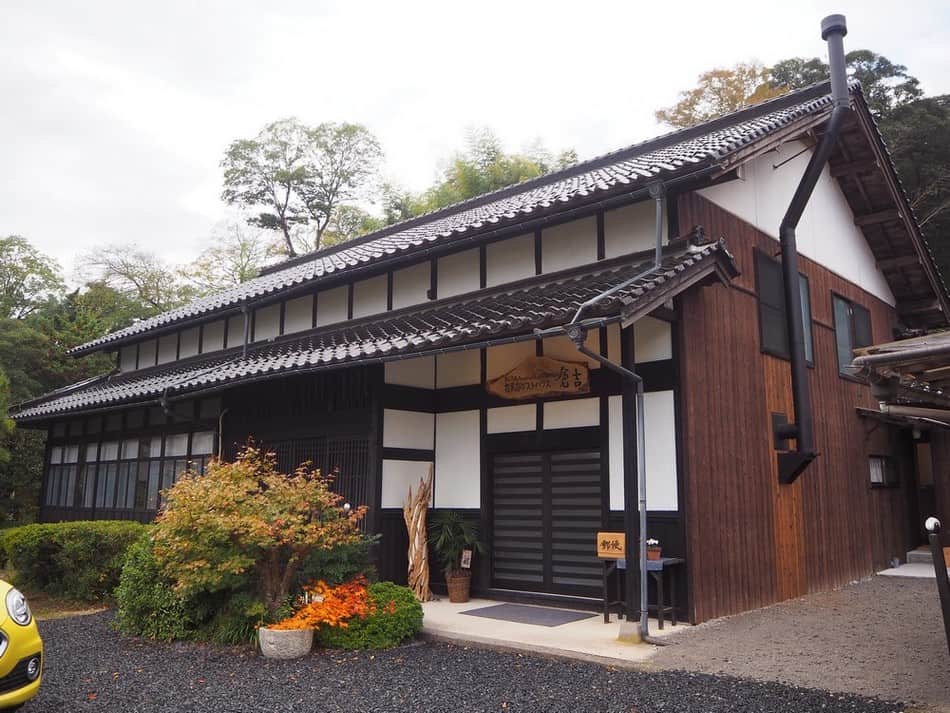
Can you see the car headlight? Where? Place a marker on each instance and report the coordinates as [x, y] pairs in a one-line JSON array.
[[17, 607]]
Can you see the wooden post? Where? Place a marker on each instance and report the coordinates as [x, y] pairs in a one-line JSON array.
[[932, 526], [414, 513]]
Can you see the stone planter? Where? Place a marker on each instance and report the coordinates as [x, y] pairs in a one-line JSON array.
[[285, 643]]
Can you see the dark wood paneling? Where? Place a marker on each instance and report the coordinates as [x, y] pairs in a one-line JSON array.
[[752, 541]]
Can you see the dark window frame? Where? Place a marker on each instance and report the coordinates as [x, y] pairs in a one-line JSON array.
[[892, 477], [853, 308], [759, 257]]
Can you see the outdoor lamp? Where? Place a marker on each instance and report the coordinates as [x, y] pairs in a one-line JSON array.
[[932, 524]]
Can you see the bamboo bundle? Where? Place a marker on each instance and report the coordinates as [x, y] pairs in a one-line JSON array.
[[414, 513]]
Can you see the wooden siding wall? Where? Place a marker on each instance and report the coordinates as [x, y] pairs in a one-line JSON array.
[[751, 540]]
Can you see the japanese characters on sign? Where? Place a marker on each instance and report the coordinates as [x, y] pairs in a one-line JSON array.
[[541, 376], [611, 545]]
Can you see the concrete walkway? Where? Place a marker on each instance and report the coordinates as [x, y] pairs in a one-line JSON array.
[[912, 569], [589, 639]]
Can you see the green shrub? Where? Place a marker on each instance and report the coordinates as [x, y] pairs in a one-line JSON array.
[[235, 621], [397, 617], [341, 563], [79, 560]]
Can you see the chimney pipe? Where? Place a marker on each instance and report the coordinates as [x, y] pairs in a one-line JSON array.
[[792, 463]]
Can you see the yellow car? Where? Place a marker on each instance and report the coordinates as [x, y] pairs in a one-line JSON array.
[[21, 650]]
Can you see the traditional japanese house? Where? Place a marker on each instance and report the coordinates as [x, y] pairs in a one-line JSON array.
[[419, 344]]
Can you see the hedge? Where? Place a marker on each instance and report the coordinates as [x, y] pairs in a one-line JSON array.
[[79, 560], [397, 617]]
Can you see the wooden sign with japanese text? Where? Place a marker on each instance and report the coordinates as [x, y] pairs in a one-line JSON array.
[[611, 545], [541, 376]]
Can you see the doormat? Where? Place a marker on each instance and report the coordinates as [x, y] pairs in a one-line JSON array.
[[524, 614]]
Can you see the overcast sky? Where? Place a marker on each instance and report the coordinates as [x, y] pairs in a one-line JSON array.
[[114, 115]]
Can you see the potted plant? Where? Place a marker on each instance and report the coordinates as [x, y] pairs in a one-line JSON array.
[[654, 551], [450, 536]]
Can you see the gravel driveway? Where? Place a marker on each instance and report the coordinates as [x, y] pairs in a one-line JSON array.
[[90, 668], [879, 637]]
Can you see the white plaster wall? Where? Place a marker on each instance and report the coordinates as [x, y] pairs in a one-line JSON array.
[[235, 330], [127, 356], [267, 322], [407, 429], [457, 460], [512, 419], [147, 353], [398, 477], [458, 273], [167, 348], [369, 296], [502, 358], [411, 372], [569, 245], [188, 346], [652, 339], [575, 413], [826, 232], [331, 305], [298, 314], [458, 369], [660, 437], [509, 260], [212, 337], [411, 285], [631, 229], [563, 348]]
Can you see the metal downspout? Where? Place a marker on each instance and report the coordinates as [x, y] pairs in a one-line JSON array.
[[792, 463]]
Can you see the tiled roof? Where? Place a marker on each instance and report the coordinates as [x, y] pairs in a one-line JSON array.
[[451, 323], [673, 154]]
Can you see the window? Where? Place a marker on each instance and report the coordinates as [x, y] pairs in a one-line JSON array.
[[772, 322], [883, 471], [852, 330]]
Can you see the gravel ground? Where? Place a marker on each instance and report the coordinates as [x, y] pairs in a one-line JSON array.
[[879, 637], [90, 668]]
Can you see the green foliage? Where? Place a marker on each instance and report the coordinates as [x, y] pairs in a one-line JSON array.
[[78, 560], [449, 534], [20, 475], [397, 616], [340, 564], [138, 275], [234, 620], [27, 277], [146, 603], [6, 425]]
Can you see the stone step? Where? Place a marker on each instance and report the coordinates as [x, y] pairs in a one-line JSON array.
[[919, 557]]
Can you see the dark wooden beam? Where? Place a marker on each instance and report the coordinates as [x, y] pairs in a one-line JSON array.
[[847, 169], [916, 307], [881, 216], [892, 263]]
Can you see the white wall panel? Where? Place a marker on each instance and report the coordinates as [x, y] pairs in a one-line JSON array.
[[298, 314], [127, 357], [398, 477], [188, 345], [615, 450], [575, 413], [509, 260], [512, 419], [411, 285], [502, 358], [167, 348], [652, 340], [235, 330], [569, 245], [458, 273], [369, 296], [458, 368], [411, 372], [826, 232], [267, 322], [660, 436], [631, 229], [457, 460], [147, 353], [331, 305], [563, 348], [212, 337], [407, 429]]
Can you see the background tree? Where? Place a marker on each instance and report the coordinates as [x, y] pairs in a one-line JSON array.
[[718, 92], [27, 277], [235, 255], [137, 274]]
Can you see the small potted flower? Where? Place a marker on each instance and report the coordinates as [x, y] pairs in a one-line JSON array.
[[451, 536], [654, 551]]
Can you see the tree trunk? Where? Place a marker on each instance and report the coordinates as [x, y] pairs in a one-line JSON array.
[[414, 514]]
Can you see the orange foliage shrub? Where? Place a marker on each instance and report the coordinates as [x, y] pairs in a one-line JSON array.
[[330, 606]]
